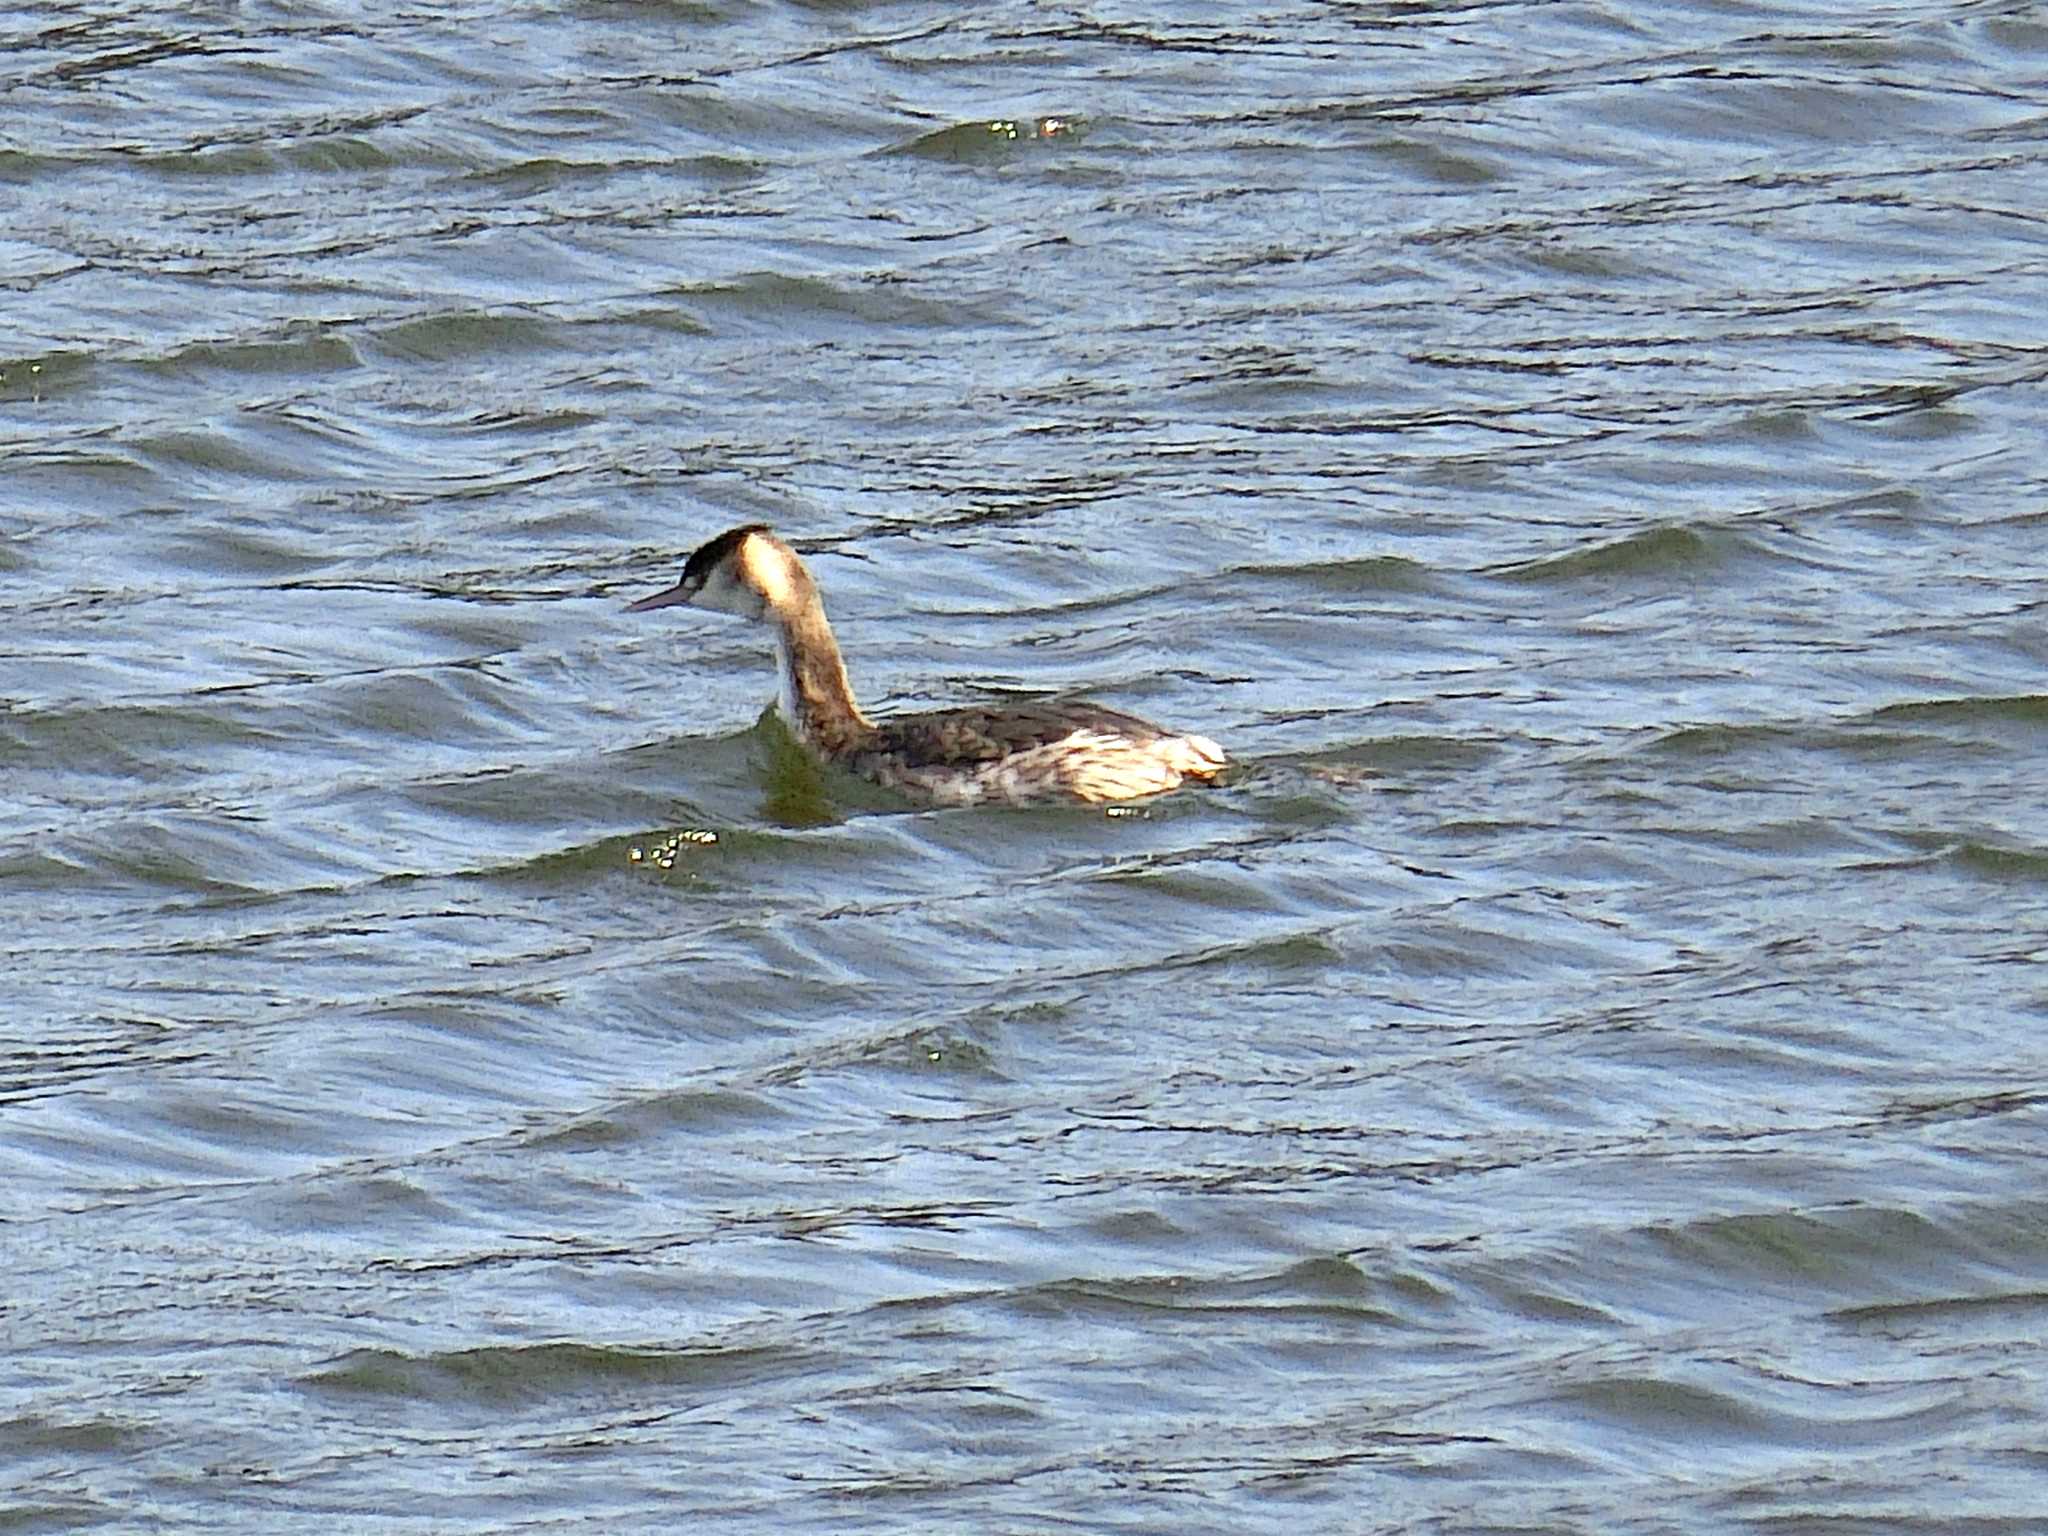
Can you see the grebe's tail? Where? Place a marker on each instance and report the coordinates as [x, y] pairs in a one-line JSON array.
[[1098, 768]]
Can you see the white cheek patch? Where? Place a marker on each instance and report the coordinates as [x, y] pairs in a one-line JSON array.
[[770, 573], [721, 594]]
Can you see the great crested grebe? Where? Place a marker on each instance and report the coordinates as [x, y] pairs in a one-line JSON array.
[[1004, 756]]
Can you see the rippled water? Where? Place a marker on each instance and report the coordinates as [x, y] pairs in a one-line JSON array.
[[460, 1073]]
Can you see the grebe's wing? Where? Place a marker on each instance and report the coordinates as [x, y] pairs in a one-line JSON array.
[[981, 734]]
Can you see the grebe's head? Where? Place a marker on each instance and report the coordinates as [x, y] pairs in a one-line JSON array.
[[747, 571]]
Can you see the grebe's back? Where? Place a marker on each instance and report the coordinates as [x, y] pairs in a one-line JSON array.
[[1018, 753]]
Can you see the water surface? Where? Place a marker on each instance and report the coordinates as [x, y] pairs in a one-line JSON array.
[[1585, 1073]]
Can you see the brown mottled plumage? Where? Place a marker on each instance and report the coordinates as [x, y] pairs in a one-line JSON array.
[[1009, 755]]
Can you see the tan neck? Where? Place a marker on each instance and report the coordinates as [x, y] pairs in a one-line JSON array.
[[816, 698]]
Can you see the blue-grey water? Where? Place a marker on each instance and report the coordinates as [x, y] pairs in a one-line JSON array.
[[1586, 1073]]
